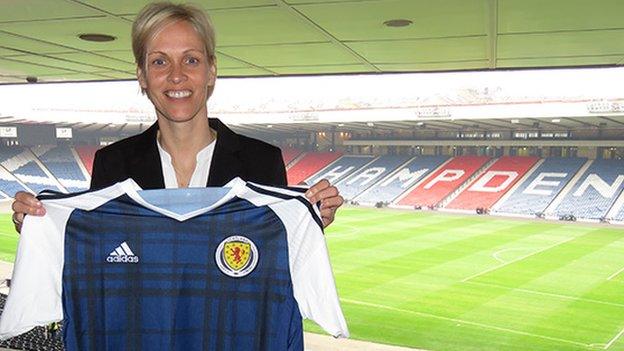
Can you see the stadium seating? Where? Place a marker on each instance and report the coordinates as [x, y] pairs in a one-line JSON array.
[[534, 195], [309, 164], [37, 339], [369, 175], [289, 155], [340, 169], [619, 216], [62, 163], [86, 154], [595, 192], [488, 188], [9, 184], [401, 179], [442, 182], [21, 162]]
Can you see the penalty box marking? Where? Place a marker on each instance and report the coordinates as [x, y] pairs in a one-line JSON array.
[[615, 338], [516, 260], [615, 274]]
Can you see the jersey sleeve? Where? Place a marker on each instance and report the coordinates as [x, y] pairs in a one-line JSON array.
[[311, 272], [35, 294], [313, 280]]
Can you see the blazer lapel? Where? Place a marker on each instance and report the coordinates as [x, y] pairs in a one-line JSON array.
[[144, 163], [225, 164]]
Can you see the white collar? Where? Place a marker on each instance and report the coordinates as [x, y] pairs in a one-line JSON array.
[[203, 160]]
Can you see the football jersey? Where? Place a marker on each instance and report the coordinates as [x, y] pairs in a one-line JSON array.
[[232, 268]]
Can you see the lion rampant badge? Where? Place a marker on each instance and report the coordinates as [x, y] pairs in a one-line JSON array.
[[236, 256]]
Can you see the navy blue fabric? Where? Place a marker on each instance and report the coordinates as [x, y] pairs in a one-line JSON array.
[[175, 297]]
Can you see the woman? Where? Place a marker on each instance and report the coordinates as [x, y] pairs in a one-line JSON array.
[[174, 48]]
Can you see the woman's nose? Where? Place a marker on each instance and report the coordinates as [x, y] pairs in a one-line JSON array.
[[176, 75]]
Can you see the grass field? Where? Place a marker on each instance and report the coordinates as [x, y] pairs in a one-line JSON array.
[[8, 238], [446, 282]]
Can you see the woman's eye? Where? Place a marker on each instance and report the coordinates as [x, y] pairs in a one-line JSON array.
[[158, 62], [192, 60]]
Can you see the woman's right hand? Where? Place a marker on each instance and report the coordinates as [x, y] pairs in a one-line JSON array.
[[25, 203]]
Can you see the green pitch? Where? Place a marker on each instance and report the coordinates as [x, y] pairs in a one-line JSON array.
[[8, 238], [446, 282]]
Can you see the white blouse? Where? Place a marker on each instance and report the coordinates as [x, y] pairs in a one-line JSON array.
[[199, 179]]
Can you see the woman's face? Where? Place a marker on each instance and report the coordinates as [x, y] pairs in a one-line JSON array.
[[177, 73]]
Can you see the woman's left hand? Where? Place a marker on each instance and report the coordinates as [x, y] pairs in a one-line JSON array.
[[329, 197]]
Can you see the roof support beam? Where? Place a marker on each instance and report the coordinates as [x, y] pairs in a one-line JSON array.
[[492, 9], [611, 120]]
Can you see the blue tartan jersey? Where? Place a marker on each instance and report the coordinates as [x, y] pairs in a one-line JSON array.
[[233, 268]]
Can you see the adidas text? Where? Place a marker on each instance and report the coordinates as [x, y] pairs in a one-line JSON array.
[[122, 259]]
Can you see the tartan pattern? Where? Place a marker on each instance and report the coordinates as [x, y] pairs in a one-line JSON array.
[[175, 297]]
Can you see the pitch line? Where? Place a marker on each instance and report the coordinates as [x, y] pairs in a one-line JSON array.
[[516, 260], [495, 255], [476, 324], [615, 274], [563, 297], [614, 339]]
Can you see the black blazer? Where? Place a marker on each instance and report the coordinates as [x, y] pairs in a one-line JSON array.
[[235, 155]]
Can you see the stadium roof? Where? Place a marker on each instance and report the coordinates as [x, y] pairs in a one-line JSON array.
[[39, 38], [547, 100]]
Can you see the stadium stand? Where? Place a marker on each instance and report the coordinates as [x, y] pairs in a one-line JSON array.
[[534, 195], [369, 175], [38, 339], [499, 178], [341, 169], [442, 182], [22, 163], [595, 192], [9, 185], [401, 179], [86, 154], [309, 164], [62, 163], [618, 211], [290, 154]]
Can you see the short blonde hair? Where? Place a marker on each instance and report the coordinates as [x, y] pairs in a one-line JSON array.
[[156, 15]]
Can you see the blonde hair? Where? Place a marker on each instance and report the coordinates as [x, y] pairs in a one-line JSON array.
[[155, 16]]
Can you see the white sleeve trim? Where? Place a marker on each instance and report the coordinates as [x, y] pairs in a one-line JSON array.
[[314, 287], [35, 297]]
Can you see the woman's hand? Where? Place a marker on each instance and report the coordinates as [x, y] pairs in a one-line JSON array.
[[329, 197], [25, 203]]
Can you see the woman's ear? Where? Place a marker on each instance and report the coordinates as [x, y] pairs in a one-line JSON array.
[[212, 76], [141, 78]]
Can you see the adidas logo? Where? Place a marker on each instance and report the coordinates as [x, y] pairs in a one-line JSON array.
[[122, 254]]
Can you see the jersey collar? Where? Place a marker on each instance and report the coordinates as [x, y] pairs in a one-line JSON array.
[[133, 190]]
